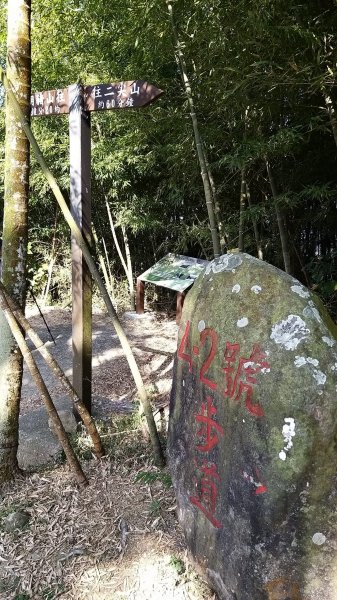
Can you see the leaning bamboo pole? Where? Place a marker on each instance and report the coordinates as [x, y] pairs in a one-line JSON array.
[[56, 369], [145, 402], [41, 386]]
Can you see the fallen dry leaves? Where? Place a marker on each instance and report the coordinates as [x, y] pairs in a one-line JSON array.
[[116, 538]]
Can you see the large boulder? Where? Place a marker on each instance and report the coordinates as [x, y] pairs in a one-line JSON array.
[[252, 433]]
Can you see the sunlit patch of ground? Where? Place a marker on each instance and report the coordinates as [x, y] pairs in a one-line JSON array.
[[150, 570]]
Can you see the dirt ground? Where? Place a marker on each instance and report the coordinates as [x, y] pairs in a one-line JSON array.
[[117, 538], [153, 340]]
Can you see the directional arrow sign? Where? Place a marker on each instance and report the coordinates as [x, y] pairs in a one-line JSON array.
[[102, 96]]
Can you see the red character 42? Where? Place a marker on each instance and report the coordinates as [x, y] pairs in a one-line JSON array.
[[184, 352]]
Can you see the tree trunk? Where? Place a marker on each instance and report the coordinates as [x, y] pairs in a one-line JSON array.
[[129, 268], [113, 231], [197, 138], [222, 233], [111, 279], [101, 259], [280, 222], [126, 264], [242, 209], [51, 264], [255, 227], [14, 227]]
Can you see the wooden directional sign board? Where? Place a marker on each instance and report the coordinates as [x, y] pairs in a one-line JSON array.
[[79, 101], [103, 96]]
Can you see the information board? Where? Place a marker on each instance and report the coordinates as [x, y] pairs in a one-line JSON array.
[[175, 272]]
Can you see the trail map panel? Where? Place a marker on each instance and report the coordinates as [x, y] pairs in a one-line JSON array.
[[175, 272]]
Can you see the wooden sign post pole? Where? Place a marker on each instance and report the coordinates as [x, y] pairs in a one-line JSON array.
[[80, 206], [79, 101]]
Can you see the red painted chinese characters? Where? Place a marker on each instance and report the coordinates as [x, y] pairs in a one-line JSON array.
[[237, 379], [207, 490]]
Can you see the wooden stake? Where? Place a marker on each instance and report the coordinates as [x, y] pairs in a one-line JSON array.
[[140, 291], [80, 203]]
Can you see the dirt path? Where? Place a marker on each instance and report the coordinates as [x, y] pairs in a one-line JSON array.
[[153, 340]]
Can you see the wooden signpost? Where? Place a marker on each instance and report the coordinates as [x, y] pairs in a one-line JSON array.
[[79, 101]]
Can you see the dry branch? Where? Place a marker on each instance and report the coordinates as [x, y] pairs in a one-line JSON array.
[[54, 366], [41, 386]]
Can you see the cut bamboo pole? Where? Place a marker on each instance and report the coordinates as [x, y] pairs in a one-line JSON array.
[[41, 386], [54, 366]]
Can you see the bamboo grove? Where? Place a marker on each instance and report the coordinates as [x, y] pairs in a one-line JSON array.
[[262, 80]]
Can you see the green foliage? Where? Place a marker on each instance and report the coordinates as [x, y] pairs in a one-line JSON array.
[[178, 564], [150, 477], [261, 76]]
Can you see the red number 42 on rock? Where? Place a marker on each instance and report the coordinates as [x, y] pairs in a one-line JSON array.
[[239, 371]]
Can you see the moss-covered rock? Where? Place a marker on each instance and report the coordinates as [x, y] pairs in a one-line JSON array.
[[252, 433]]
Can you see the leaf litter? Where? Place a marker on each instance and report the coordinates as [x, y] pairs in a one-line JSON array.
[[116, 538]]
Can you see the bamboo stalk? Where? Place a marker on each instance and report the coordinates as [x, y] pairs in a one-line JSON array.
[[217, 211], [111, 279], [255, 227], [129, 266], [197, 138], [54, 366], [101, 258], [147, 410], [242, 209], [51, 264], [41, 386], [280, 222], [113, 231]]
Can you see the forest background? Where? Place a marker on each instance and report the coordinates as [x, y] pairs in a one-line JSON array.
[[263, 79]]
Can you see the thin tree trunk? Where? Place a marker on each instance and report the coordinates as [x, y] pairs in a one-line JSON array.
[[56, 369], [15, 227], [332, 114], [222, 233], [242, 209], [255, 227], [280, 222], [129, 268], [101, 258], [158, 453], [41, 386], [113, 231], [109, 269], [51, 264], [197, 138]]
